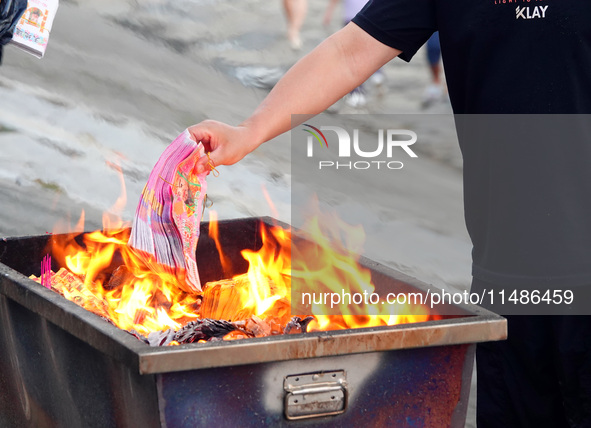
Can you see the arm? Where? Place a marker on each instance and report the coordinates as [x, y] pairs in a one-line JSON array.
[[335, 67]]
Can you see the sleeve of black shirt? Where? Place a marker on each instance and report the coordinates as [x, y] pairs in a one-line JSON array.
[[401, 24]]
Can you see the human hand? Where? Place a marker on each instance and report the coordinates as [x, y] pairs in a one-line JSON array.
[[224, 144]]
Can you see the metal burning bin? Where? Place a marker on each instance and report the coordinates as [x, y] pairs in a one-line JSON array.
[[61, 366]]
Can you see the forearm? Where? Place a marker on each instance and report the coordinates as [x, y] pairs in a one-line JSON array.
[[338, 65], [334, 68]]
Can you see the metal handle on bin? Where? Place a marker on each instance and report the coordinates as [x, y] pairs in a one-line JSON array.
[[313, 395]]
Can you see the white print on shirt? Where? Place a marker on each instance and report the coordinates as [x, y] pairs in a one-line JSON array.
[[530, 12]]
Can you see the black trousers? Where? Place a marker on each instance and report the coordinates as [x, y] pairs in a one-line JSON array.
[[539, 377]]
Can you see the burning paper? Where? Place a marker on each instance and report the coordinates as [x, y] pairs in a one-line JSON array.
[[110, 278], [72, 288], [165, 230]]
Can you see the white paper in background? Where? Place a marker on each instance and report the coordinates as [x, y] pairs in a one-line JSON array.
[[32, 30]]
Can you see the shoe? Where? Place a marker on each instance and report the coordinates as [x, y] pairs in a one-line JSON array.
[[356, 98], [295, 43], [377, 78], [432, 94]]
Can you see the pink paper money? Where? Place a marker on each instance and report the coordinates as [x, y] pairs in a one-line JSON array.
[[165, 229]]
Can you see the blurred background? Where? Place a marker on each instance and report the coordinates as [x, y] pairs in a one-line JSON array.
[[121, 79]]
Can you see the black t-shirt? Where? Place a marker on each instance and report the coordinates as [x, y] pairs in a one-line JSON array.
[[519, 79]]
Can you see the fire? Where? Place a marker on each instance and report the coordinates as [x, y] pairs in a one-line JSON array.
[[327, 264], [131, 295], [119, 286], [113, 282], [105, 276]]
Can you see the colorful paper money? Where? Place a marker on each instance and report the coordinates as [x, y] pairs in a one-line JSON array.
[[32, 30], [165, 229]]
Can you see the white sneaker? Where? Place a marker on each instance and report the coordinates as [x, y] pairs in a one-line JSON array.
[[295, 43], [432, 94], [355, 99], [377, 78]]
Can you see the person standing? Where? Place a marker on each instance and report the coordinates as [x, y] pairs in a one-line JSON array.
[[527, 200]]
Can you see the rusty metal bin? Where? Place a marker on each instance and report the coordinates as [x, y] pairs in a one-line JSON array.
[[61, 366]]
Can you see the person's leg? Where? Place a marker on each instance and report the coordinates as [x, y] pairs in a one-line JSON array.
[[434, 91], [295, 12], [434, 58], [573, 359], [518, 379]]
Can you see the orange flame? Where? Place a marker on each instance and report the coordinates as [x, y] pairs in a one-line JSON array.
[[214, 234], [326, 265], [114, 282]]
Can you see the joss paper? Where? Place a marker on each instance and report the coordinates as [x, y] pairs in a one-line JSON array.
[[165, 229], [32, 30]]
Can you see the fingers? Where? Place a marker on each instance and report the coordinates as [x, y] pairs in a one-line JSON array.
[[204, 164], [220, 143], [203, 133]]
